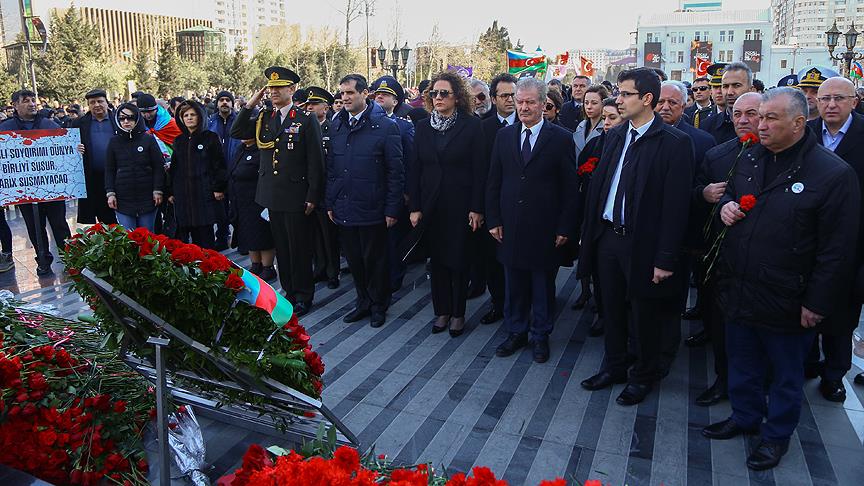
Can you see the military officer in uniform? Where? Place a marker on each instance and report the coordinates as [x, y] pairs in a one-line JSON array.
[[809, 80], [325, 234], [790, 80], [291, 179]]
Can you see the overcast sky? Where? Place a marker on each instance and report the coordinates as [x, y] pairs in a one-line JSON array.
[[555, 25]]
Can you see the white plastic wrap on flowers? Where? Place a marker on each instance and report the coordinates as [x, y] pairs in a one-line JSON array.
[[187, 442], [8, 298]]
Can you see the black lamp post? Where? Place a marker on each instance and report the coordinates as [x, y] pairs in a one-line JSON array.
[[396, 64], [849, 55]]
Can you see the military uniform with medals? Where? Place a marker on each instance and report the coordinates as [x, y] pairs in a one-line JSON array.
[[290, 174]]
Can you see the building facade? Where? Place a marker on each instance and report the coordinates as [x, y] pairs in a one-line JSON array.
[[242, 20], [700, 5], [804, 22]]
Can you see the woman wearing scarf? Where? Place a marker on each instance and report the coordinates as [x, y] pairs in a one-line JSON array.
[[447, 191], [134, 176]]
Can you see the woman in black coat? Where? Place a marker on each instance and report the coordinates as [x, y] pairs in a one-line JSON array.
[[198, 178], [251, 231], [134, 176], [446, 191]]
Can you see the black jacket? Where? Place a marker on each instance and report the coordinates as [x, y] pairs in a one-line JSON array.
[[533, 201], [720, 126], [197, 171], [796, 246], [570, 115], [702, 142], [704, 114], [133, 168], [657, 208], [291, 172], [88, 208]]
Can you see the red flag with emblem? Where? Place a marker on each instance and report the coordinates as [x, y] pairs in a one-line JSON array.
[[702, 67], [586, 66]]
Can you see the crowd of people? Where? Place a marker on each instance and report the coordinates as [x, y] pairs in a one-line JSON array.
[[648, 186]]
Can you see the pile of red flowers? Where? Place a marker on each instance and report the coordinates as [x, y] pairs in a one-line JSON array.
[[346, 468], [61, 418]]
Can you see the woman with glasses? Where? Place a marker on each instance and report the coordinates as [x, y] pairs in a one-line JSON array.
[[134, 176], [554, 102], [446, 190], [591, 127]]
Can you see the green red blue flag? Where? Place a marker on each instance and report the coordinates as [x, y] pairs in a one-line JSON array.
[[260, 294], [522, 64]]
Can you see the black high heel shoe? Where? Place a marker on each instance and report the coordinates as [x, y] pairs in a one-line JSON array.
[[441, 324], [457, 332]]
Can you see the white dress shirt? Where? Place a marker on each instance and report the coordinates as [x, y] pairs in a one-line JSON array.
[[616, 178], [509, 120], [534, 131], [283, 112]]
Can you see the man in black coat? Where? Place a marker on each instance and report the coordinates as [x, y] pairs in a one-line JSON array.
[[737, 79], [632, 236], [792, 209], [670, 107], [840, 130], [291, 179], [530, 209], [702, 107], [97, 128], [502, 90], [571, 113]]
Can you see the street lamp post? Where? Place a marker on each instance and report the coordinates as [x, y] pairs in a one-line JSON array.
[[398, 58], [849, 55]]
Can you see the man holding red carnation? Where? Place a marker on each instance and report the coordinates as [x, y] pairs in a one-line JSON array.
[[792, 210]]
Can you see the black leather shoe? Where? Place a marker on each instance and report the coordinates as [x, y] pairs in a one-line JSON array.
[[513, 343], [859, 379], [377, 319], [602, 380], [256, 268], [813, 370], [715, 394], [441, 323], [767, 455], [633, 394], [492, 316], [582, 300], [697, 340], [302, 308], [268, 274], [356, 315], [457, 326], [541, 350], [597, 328], [833, 391], [725, 430], [692, 314], [333, 283]]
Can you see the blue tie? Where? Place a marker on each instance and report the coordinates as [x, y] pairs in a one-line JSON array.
[[526, 145]]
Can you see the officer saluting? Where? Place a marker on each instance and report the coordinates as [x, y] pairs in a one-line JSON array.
[[290, 179]]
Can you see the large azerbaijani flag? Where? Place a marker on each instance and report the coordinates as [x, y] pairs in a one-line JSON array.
[[521, 64], [260, 294]]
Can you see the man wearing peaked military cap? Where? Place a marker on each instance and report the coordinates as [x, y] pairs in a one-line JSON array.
[[809, 80], [715, 81], [790, 80], [291, 178]]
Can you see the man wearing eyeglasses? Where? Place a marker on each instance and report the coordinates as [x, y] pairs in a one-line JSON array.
[[482, 104], [572, 113], [702, 108], [840, 130], [633, 235]]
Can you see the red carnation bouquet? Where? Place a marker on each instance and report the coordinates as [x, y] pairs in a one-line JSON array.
[[745, 204], [747, 140]]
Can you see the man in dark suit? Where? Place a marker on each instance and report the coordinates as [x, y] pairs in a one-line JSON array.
[[530, 209], [840, 130], [502, 90], [365, 193], [291, 179], [571, 113], [670, 107], [632, 237], [702, 106], [737, 79]]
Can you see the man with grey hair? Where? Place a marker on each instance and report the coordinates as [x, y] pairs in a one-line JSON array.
[[481, 103], [737, 80], [531, 211], [792, 211]]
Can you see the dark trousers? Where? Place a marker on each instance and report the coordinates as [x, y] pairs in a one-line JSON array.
[[325, 247], [200, 235], [449, 290], [714, 324], [54, 213], [222, 222], [838, 354], [529, 294], [395, 235], [294, 254], [5, 233], [649, 317], [365, 248], [494, 271], [751, 351]]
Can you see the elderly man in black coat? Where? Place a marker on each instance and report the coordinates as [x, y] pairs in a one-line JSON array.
[[840, 130], [633, 233], [530, 209], [792, 209]]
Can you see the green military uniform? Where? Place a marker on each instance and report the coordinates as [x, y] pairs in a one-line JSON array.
[[290, 174]]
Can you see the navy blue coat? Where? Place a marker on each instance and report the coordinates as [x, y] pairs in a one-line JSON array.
[[406, 131], [532, 201], [230, 146], [365, 176], [702, 142]]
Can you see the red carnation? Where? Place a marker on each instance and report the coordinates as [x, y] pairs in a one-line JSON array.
[[747, 202], [139, 235], [589, 166], [119, 406], [172, 244], [314, 361], [749, 138], [96, 228], [234, 282]]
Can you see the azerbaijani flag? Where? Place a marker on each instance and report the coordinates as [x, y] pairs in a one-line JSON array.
[[260, 294], [522, 64], [856, 72]]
